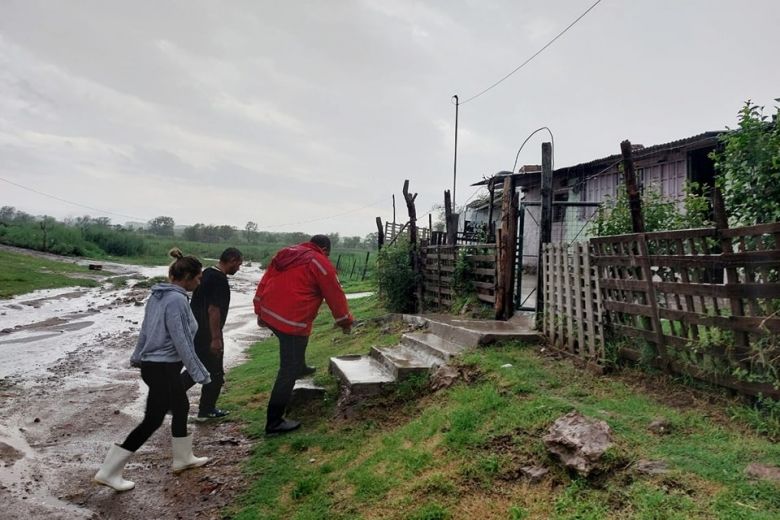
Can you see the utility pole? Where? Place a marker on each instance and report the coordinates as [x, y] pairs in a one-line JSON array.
[[634, 200], [455, 162]]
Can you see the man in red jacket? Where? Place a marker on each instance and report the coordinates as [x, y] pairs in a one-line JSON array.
[[287, 301]]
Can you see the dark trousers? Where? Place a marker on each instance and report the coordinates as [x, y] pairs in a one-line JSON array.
[[209, 393], [165, 393], [292, 361]]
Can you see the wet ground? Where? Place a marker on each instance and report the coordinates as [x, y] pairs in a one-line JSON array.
[[67, 391]]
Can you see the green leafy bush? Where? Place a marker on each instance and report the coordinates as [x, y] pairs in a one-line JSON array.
[[748, 168], [660, 214], [395, 277]]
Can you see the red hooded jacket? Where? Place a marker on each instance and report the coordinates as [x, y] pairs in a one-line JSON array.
[[291, 290]]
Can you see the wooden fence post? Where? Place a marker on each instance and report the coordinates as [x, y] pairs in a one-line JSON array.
[[507, 246], [415, 253], [634, 201], [737, 308], [380, 234], [452, 231], [365, 267], [545, 231]]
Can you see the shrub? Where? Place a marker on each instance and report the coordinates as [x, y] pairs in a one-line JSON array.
[[660, 214], [395, 277], [748, 168]]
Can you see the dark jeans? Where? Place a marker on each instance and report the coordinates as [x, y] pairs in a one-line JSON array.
[[292, 361], [165, 393], [210, 392]]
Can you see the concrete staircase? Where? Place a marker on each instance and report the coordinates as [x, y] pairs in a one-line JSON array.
[[438, 340]]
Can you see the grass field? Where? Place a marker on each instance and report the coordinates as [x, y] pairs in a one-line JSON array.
[[456, 453], [20, 273]]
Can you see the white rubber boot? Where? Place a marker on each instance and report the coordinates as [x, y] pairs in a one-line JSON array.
[[110, 473], [182, 454]]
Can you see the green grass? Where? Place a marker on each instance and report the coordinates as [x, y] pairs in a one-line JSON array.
[[20, 274], [455, 453]]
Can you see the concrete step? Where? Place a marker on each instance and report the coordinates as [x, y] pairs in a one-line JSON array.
[[473, 333], [403, 360], [433, 345], [362, 375], [305, 390]]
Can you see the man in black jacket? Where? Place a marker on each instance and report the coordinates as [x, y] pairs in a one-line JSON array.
[[209, 304]]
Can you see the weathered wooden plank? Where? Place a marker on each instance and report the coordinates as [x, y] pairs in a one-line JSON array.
[[759, 229], [629, 308], [481, 258], [547, 317], [489, 298], [581, 281], [656, 235], [485, 285], [729, 290], [484, 271], [558, 292], [593, 313], [723, 261], [647, 274], [568, 294], [753, 324]]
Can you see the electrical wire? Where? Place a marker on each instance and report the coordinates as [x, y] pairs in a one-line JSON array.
[[537, 53], [71, 202], [318, 219], [142, 219]]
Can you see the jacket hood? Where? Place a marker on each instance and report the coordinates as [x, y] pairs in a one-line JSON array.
[[294, 256], [162, 289]]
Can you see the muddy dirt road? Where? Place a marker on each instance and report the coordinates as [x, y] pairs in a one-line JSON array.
[[67, 391]]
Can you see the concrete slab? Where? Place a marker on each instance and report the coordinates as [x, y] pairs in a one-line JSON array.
[[433, 345], [403, 361], [305, 390], [361, 374], [473, 333]]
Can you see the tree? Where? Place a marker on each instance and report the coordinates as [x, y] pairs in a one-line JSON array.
[[250, 232], [748, 168], [7, 214], [370, 240], [162, 226]]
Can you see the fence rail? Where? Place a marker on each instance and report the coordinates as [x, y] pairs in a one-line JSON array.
[[439, 266]]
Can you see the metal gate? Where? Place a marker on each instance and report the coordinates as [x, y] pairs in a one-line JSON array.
[[570, 222]]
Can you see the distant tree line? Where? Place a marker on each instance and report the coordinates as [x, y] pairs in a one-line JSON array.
[[97, 237]]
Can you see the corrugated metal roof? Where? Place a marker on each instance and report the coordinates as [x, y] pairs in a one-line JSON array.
[[703, 140]]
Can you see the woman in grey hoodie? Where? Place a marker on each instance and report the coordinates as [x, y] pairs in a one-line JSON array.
[[164, 345]]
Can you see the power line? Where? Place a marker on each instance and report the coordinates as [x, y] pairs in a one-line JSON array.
[[33, 190], [537, 53], [71, 202], [318, 219]]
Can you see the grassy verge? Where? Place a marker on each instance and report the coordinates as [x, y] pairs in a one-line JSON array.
[[457, 453], [21, 274]]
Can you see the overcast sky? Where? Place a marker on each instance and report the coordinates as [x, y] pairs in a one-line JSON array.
[[309, 115]]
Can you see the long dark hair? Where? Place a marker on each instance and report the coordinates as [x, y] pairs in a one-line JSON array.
[[183, 267]]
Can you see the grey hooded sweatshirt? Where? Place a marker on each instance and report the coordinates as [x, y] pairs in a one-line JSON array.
[[168, 330]]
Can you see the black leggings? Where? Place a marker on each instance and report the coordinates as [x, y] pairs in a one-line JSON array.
[[165, 393]]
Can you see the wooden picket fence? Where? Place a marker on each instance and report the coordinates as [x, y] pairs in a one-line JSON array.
[[572, 319], [438, 263]]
